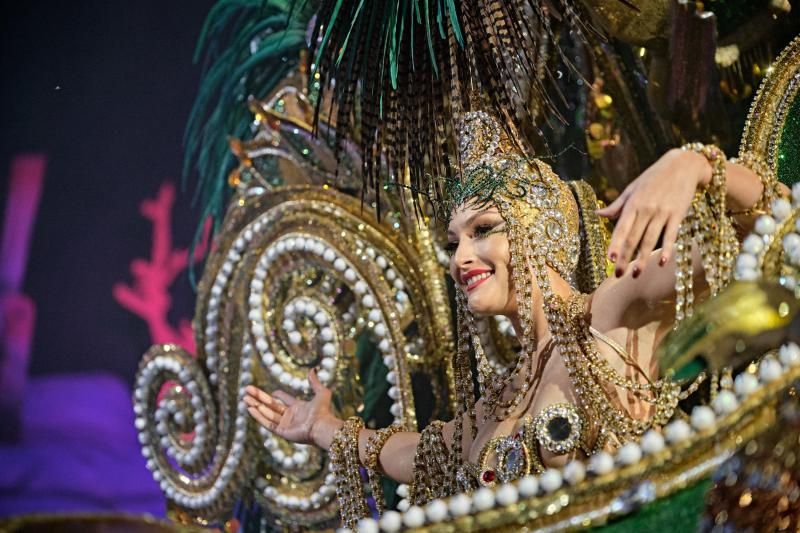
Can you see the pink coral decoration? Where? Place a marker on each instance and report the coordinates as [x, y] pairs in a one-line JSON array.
[[149, 295]]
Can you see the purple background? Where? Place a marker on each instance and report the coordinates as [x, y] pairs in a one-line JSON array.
[[103, 89]]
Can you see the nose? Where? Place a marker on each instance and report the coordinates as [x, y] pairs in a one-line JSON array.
[[463, 258]]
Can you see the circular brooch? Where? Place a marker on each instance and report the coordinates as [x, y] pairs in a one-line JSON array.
[[558, 428]]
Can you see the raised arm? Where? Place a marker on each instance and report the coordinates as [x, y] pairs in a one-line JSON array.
[[313, 422]]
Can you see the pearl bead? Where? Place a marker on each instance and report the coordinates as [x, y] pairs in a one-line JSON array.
[[781, 208], [384, 346], [725, 402], [789, 354], [329, 255], [368, 301], [403, 505], [677, 431], [436, 511], [324, 376], [391, 521], [652, 442], [381, 262], [391, 377], [350, 275], [380, 330], [629, 454], [703, 418], [601, 463], [339, 264], [528, 486], [551, 480], [328, 349], [483, 499], [769, 369], [507, 494], [745, 384], [374, 315], [765, 225], [368, 525], [396, 410], [746, 261], [460, 505], [574, 472], [328, 363], [295, 337], [326, 334], [414, 517], [360, 287]]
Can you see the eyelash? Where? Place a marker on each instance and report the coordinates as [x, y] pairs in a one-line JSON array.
[[482, 231]]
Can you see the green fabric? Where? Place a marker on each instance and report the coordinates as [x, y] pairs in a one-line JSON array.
[[788, 164], [679, 512]]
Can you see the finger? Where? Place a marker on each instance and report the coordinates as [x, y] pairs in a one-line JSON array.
[[613, 209], [649, 240], [255, 413], [263, 398], [632, 240], [668, 242], [270, 414], [619, 235], [316, 384]]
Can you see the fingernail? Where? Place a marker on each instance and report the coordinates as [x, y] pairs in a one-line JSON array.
[[619, 272], [662, 261], [636, 272]]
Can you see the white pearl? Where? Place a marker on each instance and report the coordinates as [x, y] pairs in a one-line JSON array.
[[402, 297], [399, 285], [791, 243], [483, 499], [391, 521], [781, 208], [402, 490], [324, 376], [629, 454], [769, 369], [328, 349], [360, 287], [287, 463], [295, 337], [574, 472], [725, 402], [320, 318], [380, 329], [765, 225], [396, 410], [507, 494], [677, 431], [528, 486], [551, 480], [391, 377], [601, 463], [297, 383], [268, 358], [326, 334], [403, 505], [350, 275], [328, 363], [388, 360], [289, 325], [394, 393], [339, 264], [368, 525], [371, 252], [747, 274], [746, 261], [385, 346], [285, 378], [414, 517], [374, 315], [300, 306], [436, 511], [460, 504], [319, 248], [745, 384], [329, 255], [652, 442], [789, 354], [381, 261], [368, 300], [290, 244], [703, 418]]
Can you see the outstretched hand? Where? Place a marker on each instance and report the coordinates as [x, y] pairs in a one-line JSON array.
[[654, 204], [287, 416]]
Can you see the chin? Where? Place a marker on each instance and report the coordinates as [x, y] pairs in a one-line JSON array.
[[480, 309]]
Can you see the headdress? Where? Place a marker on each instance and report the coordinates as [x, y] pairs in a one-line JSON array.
[[543, 228]]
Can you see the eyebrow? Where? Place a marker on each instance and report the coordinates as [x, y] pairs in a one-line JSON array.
[[471, 219]]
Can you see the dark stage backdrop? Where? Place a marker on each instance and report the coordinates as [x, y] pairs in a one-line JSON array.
[[103, 89]]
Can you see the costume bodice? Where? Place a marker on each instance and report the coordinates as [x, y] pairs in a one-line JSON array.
[[559, 428]]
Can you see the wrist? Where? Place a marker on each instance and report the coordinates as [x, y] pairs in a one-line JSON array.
[[702, 170], [323, 430]]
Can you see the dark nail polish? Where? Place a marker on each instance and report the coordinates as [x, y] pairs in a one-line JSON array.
[[613, 257], [619, 272], [662, 261], [636, 272]]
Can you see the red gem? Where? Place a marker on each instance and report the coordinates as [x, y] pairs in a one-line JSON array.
[[488, 476]]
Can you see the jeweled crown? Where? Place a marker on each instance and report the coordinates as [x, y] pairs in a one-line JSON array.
[[526, 191]]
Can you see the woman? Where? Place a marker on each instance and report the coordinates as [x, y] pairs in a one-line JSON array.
[[585, 378]]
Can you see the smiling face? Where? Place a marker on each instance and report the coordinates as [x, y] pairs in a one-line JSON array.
[[480, 260]]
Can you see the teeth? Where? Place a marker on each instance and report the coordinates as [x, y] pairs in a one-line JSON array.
[[478, 277]]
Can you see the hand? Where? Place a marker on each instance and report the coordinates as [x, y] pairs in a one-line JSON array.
[[654, 203], [286, 416]]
